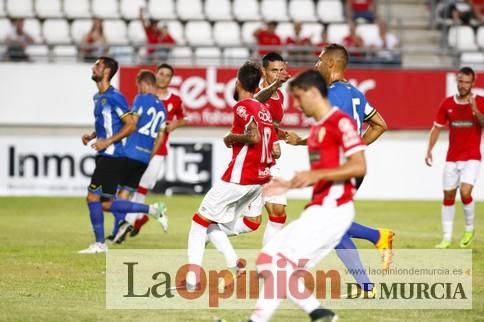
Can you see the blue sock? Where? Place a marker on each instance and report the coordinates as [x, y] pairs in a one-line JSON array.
[[97, 220], [363, 232], [348, 253], [127, 206], [118, 217]]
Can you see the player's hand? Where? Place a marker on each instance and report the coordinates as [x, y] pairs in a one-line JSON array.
[[281, 134], [428, 159], [276, 186], [100, 144], [228, 143], [170, 127], [86, 138], [303, 179], [292, 138]]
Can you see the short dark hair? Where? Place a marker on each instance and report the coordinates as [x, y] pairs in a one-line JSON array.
[[146, 76], [338, 50], [167, 66], [310, 78], [270, 57], [249, 76], [110, 63], [467, 71]]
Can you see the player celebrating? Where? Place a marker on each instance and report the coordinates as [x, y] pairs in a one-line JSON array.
[[462, 113], [113, 123], [176, 118], [150, 116], [336, 156], [236, 200]]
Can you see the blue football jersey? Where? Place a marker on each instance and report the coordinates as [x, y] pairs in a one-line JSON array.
[[151, 120], [352, 101], [110, 108]]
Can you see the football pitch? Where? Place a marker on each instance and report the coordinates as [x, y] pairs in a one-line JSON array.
[[42, 278]]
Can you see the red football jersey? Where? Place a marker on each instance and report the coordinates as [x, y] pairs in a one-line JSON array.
[[250, 163], [361, 5], [330, 141], [276, 107], [266, 39], [464, 128], [174, 108]]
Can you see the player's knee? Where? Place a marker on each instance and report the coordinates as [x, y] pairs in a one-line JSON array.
[[450, 195], [448, 201]]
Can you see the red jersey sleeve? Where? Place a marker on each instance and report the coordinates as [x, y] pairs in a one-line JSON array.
[[180, 109], [242, 118], [351, 141], [441, 118]]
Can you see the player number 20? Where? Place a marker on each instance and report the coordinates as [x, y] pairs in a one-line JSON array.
[[152, 127]]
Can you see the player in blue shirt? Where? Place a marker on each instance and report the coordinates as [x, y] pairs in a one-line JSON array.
[[113, 123], [150, 115]]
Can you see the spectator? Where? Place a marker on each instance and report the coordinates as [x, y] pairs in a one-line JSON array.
[[361, 10], [387, 44], [94, 42], [156, 34], [17, 40], [464, 12], [267, 37], [298, 55], [354, 43], [324, 41]]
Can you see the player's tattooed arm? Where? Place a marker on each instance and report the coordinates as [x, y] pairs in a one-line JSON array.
[[293, 138], [264, 94], [475, 109], [251, 136], [376, 127]]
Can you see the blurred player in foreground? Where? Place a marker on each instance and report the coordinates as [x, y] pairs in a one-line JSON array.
[[463, 114], [336, 156]]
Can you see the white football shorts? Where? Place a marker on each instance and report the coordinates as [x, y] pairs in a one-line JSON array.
[[459, 172]]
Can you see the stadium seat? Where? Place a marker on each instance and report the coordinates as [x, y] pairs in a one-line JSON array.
[[235, 56], [207, 56], [5, 26], [226, 33], [480, 37], [472, 58], [123, 54], [56, 31], [246, 10], [49, 8], [20, 8], [64, 53], [136, 33], [302, 10], [181, 56], [199, 33], [274, 10], [216, 10], [312, 31], [38, 53], [285, 30], [189, 10], [32, 27], [79, 28], [337, 32], [105, 9], [330, 11], [162, 9], [462, 38], [370, 33], [130, 8], [176, 30], [248, 29], [116, 32], [77, 9]]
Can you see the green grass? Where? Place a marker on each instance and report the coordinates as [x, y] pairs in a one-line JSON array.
[[42, 278]]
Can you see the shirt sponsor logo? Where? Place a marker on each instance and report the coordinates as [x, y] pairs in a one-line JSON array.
[[461, 124]]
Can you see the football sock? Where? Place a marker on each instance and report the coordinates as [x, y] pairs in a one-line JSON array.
[[244, 225], [131, 217], [468, 204], [448, 213], [97, 220], [128, 206], [140, 194], [196, 243], [363, 232], [222, 243], [348, 253], [118, 217], [273, 226], [268, 300]]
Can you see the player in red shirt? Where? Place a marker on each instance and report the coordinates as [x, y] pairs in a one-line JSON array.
[[156, 35], [361, 9], [267, 37], [462, 114], [236, 200], [176, 118], [336, 155]]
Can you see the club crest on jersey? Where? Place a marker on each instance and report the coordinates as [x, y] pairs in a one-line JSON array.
[[170, 107], [350, 135], [242, 112], [321, 134], [104, 101]]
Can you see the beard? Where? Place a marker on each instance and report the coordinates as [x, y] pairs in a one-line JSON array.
[[236, 95], [96, 78], [463, 92]]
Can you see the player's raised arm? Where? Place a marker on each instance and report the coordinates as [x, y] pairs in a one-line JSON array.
[[293, 138], [376, 127], [434, 136], [475, 109]]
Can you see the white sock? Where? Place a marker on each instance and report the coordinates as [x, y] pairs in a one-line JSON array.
[[272, 228], [265, 307], [222, 243], [469, 215], [307, 303], [131, 218], [448, 213], [243, 225], [139, 197], [196, 246]]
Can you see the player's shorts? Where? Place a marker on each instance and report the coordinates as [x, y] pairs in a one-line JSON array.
[[226, 201], [313, 235], [459, 172], [148, 180], [277, 199], [106, 176], [133, 171]]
